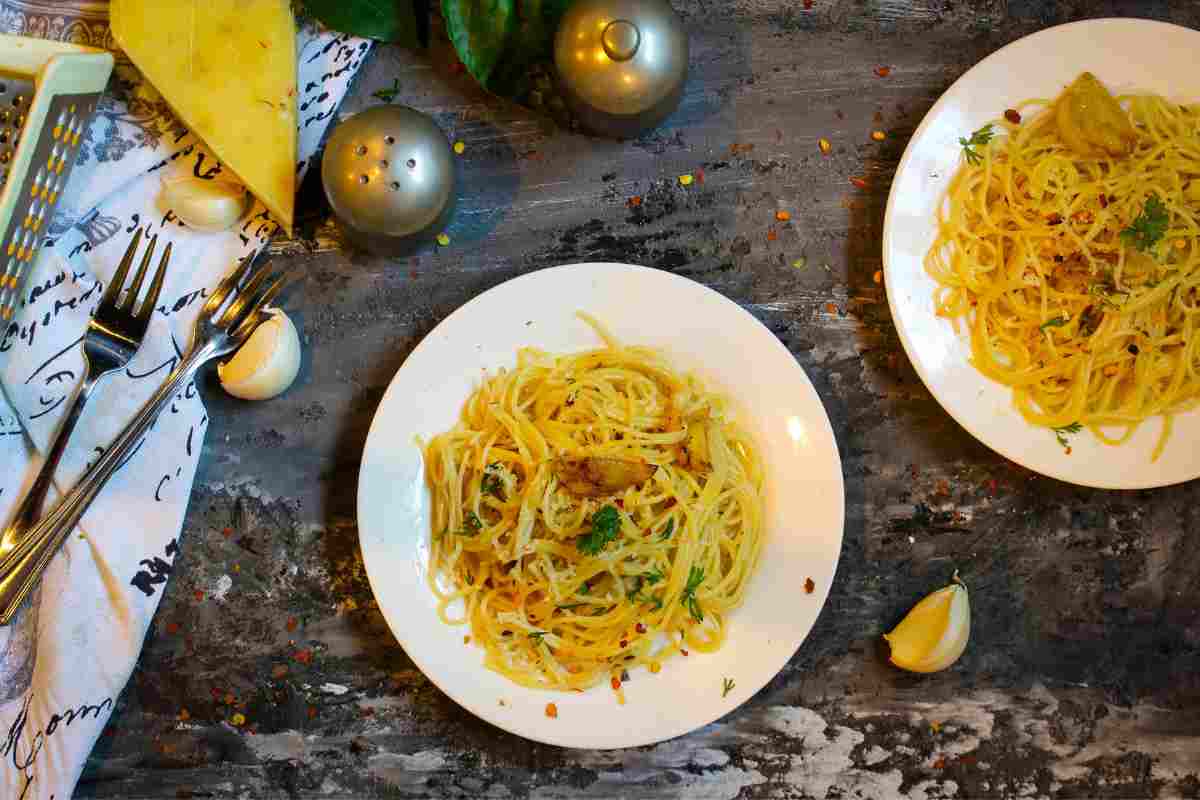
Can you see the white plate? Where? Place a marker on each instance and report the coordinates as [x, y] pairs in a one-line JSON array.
[[1127, 55], [699, 330]]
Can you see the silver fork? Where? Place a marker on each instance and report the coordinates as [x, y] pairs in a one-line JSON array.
[[217, 332], [113, 335]]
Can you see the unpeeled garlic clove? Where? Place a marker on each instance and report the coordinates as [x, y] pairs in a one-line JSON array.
[[204, 204], [933, 635], [266, 364]]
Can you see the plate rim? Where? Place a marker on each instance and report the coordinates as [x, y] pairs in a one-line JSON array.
[[998, 446], [837, 478]]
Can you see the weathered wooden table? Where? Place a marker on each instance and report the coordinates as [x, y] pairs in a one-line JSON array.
[[269, 672]]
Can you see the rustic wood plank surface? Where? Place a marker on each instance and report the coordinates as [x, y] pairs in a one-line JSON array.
[[1082, 678]]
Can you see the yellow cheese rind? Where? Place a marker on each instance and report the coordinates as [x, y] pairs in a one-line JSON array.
[[228, 70]]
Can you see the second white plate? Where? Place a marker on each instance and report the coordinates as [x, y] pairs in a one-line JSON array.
[[1128, 55]]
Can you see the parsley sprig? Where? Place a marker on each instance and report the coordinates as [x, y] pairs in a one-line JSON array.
[[668, 530], [727, 685], [537, 636], [472, 524], [978, 138], [1055, 322], [1061, 433], [606, 524], [1149, 227], [492, 483], [688, 598]]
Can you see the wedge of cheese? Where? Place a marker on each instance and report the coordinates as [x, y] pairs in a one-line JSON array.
[[228, 70]]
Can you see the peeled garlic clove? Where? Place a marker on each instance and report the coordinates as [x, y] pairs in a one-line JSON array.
[[266, 364], [934, 634], [206, 205]]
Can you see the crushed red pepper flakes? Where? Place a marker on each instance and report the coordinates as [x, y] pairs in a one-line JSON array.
[[878, 136], [312, 712], [878, 276], [634, 201], [292, 622], [227, 532], [551, 711], [808, 4], [279, 670], [1103, 200], [624, 643], [228, 699], [184, 716], [172, 628], [616, 683], [940, 763], [736, 148], [809, 586], [699, 176], [772, 235], [199, 595], [1012, 115], [304, 656], [883, 72], [860, 183], [640, 628], [782, 216], [831, 308], [684, 652]]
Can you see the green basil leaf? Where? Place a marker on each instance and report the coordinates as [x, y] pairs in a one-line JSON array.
[[480, 31], [386, 20]]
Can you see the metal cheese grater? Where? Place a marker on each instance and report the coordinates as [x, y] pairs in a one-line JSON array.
[[48, 93]]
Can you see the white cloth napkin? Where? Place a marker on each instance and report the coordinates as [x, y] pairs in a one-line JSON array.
[[68, 656]]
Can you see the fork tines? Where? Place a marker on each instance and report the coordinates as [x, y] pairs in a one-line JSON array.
[[113, 299]]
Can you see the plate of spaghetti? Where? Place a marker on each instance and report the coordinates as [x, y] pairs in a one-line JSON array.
[[1042, 252], [600, 506]]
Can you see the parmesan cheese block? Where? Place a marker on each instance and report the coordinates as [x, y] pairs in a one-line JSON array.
[[228, 70]]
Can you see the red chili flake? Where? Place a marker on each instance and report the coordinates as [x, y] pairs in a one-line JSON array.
[[683, 652], [883, 72], [228, 699], [1103, 200], [943, 487], [624, 643], [1012, 115], [279, 671], [184, 715], [292, 622], [172, 628], [368, 712], [640, 628], [634, 201], [227, 532], [782, 216], [1054, 219], [831, 308], [699, 175], [736, 148], [808, 5], [967, 759], [312, 712], [199, 595], [860, 183], [992, 486], [616, 683], [940, 763], [304, 656], [772, 235], [809, 586], [215, 692], [551, 711]]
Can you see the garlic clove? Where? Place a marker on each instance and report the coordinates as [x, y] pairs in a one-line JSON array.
[[266, 364], [206, 205], [933, 635]]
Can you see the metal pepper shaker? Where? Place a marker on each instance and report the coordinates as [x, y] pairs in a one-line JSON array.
[[389, 176], [621, 63]]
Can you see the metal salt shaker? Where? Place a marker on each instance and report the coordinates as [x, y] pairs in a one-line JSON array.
[[621, 63], [389, 176]]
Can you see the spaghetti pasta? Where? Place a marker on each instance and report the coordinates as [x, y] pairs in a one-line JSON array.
[[591, 513], [1073, 257]]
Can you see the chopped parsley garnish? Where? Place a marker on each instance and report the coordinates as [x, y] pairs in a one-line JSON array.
[[472, 524], [1054, 322], [568, 606], [654, 576], [978, 138], [606, 524], [1061, 433], [688, 598], [668, 530], [536, 636], [727, 686], [1149, 227], [388, 95], [492, 483]]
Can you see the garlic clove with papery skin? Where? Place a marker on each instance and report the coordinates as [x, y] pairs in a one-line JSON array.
[[208, 205], [933, 635], [266, 364]]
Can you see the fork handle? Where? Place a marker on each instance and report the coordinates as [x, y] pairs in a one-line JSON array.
[[31, 506], [21, 567]]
